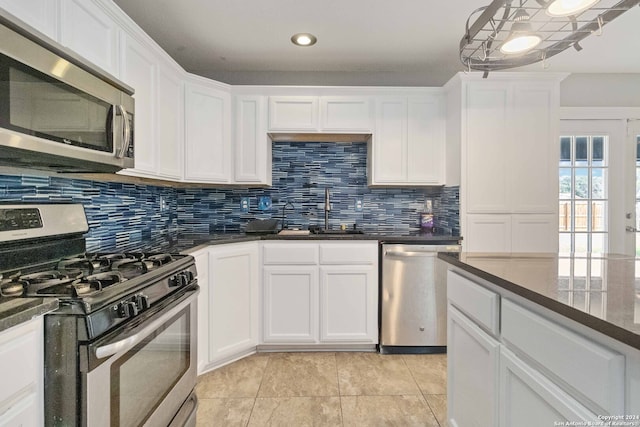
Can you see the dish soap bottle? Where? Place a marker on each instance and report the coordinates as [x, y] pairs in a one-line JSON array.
[[426, 217]]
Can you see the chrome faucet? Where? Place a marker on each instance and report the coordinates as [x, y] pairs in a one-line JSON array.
[[327, 208]]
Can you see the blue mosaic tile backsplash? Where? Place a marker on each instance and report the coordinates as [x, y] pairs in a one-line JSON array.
[[129, 217]]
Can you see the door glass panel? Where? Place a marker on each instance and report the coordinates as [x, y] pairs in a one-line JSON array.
[[583, 181], [143, 377]]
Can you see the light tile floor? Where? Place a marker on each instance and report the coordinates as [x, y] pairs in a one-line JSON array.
[[326, 389]]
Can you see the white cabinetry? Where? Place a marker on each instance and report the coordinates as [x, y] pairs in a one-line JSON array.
[[21, 370], [40, 14], [233, 300], [252, 145], [320, 293], [170, 140], [139, 69], [508, 136], [208, 132], [89, 31], [202, 266], [532, 370], [320, 114], [407, 147]]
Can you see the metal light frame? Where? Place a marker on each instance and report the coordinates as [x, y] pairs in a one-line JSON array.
[[480, 46]]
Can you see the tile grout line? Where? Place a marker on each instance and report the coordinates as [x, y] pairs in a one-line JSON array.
[[426, 401], [255, 399], [335, 358]]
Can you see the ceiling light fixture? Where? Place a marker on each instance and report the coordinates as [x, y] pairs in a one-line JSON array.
[[559, 8], [521, 37], [303, 39], [505, 35]]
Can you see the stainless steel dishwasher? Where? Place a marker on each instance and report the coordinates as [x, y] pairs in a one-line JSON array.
[[414, 298]]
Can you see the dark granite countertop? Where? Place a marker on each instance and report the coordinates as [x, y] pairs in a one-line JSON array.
[[600, 292], [14, 311], [189, 243]]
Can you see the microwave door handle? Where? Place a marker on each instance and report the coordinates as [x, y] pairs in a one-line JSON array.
[[126, 133]]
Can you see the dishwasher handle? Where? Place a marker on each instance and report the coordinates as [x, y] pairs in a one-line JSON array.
[[423, 251]]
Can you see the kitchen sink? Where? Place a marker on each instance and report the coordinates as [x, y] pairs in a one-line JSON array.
[[336, 232]]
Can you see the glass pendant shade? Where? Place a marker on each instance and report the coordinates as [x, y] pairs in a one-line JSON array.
[[560, 8]]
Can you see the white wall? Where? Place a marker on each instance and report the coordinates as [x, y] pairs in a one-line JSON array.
[[600, 90]]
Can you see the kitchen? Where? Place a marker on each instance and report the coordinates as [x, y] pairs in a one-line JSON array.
[[179, 192]]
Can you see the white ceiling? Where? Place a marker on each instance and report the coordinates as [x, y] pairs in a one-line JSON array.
[[360, 42]]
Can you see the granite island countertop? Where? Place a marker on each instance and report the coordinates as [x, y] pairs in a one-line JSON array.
[[600, 292], [14, 311]]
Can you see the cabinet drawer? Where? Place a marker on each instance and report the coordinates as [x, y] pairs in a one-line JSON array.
[[336, 253], [599, 375], [477, 302], [290, 254]]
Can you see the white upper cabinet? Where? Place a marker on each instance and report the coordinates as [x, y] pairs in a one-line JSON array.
[[207, 132], [89, 31], [345, 114], [408, 145], [293, 113], [170, 141], [252, 145], [139, 69], [40, 14], [320, 114]]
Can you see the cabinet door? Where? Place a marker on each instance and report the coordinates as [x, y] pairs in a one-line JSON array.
[[472, 373], [40, 14], [233, 300], [252, 145], [139, 69], [293, 113], [290, 298], [89, 31], [528, 399], [170, 122], [534, 148], [208, 134], [202, 265], [390, 142], [487, 153], [21, 366], [487, 233], [534, 233], [349, 304], [425, 141], [345, 114]]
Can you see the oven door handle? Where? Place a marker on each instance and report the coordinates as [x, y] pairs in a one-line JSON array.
[[133, 337]]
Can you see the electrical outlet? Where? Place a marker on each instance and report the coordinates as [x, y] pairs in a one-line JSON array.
[[359, 205], [244, 204], [163, 204]]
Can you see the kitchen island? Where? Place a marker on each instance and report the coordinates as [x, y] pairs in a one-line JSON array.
[[535, 339]]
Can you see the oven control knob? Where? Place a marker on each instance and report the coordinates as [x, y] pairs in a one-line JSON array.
[[142, 301], [174, 281], [127, 309]]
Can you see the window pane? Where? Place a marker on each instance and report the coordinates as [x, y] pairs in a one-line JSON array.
[[582, 183], [581, 216], [598, 243], [598, 148], [597, 183], [598, 211], [582, 150], [581, 243], [565, 149], [565, 243], [565, 183], [565, 215]]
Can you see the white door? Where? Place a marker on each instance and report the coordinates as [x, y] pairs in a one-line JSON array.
[[632, 227], [594, 193]]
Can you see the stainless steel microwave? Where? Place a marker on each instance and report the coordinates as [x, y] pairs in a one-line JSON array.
[[56, 112]]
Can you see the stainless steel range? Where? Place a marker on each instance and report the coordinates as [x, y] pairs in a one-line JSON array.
[[121, 348]]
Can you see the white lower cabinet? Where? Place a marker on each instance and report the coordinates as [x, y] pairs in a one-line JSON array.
[[21, 370], [202, 266], [528, 399], [290, 301], [320, 293], [348, 295], [472, 367]]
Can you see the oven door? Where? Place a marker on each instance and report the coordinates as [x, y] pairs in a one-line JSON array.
[[145, 373]]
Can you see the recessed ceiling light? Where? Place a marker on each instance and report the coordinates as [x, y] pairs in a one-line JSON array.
[[303, 39]]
